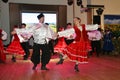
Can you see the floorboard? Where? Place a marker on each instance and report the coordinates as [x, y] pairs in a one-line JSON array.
[[99, 68]]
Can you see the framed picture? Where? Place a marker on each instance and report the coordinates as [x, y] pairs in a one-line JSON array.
[[113, 22]]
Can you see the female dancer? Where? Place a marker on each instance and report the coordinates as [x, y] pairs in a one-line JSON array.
[[61, 44], [3, 36], [15, 47], [78, 49]]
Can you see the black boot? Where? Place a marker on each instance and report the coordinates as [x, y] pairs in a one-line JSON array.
[[60, 61], [43, 67], [76, 68], [61, 56], [13, 59]]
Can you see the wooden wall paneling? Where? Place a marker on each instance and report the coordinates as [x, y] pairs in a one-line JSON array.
[[14, 13], [62, 14], [89, 17]]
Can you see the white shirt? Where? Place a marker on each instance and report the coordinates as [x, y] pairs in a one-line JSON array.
[[40, 34], [43, 34]]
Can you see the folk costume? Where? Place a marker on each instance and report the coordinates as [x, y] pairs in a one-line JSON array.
[[3, 36], [41, 34], [61, 44], [77, 51], [15, 47]]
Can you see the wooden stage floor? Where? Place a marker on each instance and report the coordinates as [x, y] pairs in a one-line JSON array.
[[103, 68]]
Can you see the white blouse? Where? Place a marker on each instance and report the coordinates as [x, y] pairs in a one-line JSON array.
[[68, 32]]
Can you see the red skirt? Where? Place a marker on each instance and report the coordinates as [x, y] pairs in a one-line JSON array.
[[2, 54], [15, 48], [77, 51], [60, 46]]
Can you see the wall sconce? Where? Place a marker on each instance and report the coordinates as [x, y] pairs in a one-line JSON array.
[[70, 2], [79, 2], [99, 11], [5, 1]]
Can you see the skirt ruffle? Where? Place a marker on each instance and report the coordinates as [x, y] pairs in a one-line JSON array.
[[77, 51], [15, 48], [60, 46]]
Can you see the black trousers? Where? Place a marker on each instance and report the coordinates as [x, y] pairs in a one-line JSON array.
[[25, 46], [96, 46], [45, 57]]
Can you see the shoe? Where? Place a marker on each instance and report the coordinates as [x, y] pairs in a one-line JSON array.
[[44, 68], [60, 62], [76, 68]]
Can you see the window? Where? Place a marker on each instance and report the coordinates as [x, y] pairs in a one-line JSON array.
[[31, 18]]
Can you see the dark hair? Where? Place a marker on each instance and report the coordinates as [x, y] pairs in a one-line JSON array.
[[69, 24], [23, 24], [40, 15], [47, 23]]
